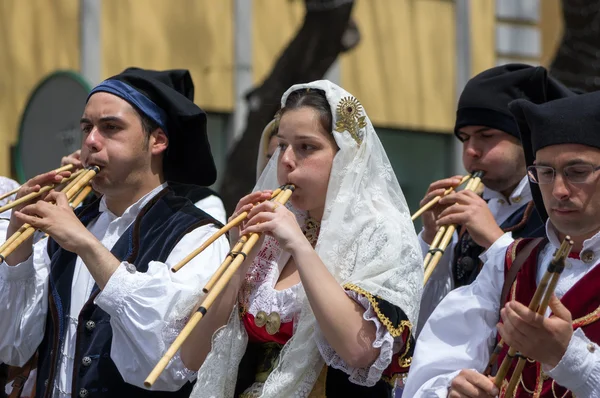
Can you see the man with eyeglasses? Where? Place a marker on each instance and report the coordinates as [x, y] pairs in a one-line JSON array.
[[561, 140], [491, 144]]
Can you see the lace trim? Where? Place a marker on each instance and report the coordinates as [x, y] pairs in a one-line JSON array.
[[263, 297], [394, 331], [383, 340]]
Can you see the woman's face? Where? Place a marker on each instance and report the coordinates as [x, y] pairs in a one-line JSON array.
[[305, 158]]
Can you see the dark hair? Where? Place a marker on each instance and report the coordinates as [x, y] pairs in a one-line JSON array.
[[314, 99], [148, 125]]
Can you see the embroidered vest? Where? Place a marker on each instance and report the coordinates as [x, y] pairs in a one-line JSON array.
[[524, 223], [156, 230], [581, 300]]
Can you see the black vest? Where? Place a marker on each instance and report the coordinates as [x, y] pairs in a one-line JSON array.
[[523, 223], [151, 237]]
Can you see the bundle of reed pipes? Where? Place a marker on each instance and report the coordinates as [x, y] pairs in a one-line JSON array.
[[445, 232], [218, 282], [77, 183], [539, 303]]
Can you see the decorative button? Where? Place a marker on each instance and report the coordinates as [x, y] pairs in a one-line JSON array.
[[130, 268], [516, 199], [83, 393], [591, 347], [587, 256], [86, 361], [90, 325], [501, 201]]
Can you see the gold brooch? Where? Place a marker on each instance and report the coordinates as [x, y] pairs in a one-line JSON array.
[[349, 119], [271, 322]]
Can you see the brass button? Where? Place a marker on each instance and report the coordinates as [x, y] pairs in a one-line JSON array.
[[86, 361], [591, 347], [83, 393], [501, 201], [516, 199], [587, 256]]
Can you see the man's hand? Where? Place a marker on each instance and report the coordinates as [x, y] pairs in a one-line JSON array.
[[472, 384], [74, 159], [466, 208], [535, 336], [429, 218], [57, 220]]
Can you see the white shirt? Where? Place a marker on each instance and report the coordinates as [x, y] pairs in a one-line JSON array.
[[441, 281], [462, 330], [140, 336], [213, 206]]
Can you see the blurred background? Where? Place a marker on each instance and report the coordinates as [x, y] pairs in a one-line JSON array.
[[405, 60]]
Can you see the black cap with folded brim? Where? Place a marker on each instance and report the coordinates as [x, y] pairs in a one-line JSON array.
[[166, 97], [573, 119], [485, 98]]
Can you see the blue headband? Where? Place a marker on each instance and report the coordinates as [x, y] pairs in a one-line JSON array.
[[134, 97]]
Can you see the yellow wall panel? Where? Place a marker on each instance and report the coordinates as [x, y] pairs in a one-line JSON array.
[[158, 34], [403, 71], [37, 37], [482, 20], [552, 27], [274, 24]]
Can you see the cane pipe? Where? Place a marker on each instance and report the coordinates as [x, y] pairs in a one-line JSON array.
[[231, 224], [80, 197], [14, 191], [33, 195], [434, 201], [210, 298], [24, 227], [539, 303], [472, 185], [27, 230]]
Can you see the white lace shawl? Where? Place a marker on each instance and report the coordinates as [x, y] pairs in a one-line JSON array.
[[367, 239]]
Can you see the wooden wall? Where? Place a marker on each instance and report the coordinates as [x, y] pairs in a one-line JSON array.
[[403, 71]]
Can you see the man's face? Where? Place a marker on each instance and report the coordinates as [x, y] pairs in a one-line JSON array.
[[498, 154], [573, 208], [114, 140]]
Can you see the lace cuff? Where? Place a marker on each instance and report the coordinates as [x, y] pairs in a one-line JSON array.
[[169, 335], [383, 340]]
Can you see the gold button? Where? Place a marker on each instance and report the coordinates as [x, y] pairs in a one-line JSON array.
[[501, 201], [516, 199], [591, 347], [587, 256]]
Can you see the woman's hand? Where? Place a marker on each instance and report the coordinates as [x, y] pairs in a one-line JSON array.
[[275, 220]]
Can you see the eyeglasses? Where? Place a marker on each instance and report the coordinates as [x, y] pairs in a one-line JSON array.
[[576, 173]]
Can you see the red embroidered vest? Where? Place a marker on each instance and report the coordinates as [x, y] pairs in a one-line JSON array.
[[581, 300]]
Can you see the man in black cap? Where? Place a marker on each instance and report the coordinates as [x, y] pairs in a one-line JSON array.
[[491, 144], [562, 150], [94, 299]]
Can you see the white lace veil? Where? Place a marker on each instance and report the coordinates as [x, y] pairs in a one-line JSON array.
[[367, 239]]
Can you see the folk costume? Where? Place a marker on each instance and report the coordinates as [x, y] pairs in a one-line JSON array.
[[94, 343], [272, 345], [484, 102], [462, 330]]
